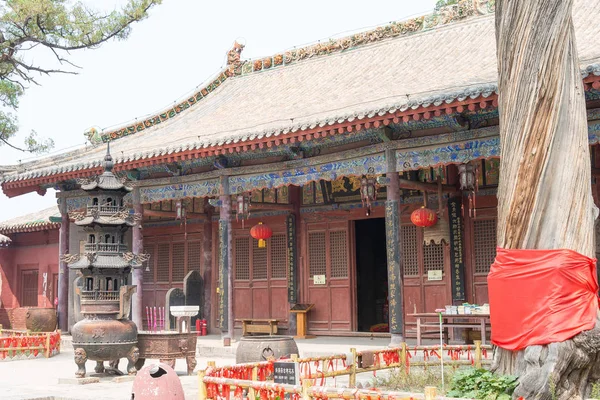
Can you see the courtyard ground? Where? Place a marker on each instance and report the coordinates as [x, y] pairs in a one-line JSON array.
[[39, 378]]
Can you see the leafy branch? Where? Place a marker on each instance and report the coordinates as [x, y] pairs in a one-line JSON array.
[[60, 27]]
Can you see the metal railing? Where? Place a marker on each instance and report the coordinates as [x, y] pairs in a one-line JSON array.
[[107, 295], [106, 247], [103, 209]]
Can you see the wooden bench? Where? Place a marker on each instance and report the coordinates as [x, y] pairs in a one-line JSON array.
[[253, 325]]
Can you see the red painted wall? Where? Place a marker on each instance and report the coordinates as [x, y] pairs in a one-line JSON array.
[[34, 250]]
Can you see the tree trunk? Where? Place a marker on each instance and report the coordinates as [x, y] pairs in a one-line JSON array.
[[544, 196]]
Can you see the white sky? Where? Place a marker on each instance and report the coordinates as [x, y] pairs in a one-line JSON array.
[[181, 45]]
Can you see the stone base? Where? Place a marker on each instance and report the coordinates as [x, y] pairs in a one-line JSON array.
[[124, 378], [78, 381]]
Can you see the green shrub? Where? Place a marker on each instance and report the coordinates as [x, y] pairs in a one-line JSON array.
[[482, 384]]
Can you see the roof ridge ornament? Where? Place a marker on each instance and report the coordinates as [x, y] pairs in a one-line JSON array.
[[108, 160], [93, 135], [234, 59]]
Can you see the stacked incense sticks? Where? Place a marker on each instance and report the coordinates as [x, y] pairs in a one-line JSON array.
[[155, 318]]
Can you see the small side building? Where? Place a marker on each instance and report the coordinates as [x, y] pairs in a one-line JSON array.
[[28, 265]]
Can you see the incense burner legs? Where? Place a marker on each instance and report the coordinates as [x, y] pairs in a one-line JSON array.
[[132, 357], [80, 359], [99, 367]]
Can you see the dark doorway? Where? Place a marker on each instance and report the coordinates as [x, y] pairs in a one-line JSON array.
[[371, 275]]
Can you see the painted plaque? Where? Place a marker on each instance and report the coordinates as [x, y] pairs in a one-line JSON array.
[[456, 249], [435, 275], [291, 258]]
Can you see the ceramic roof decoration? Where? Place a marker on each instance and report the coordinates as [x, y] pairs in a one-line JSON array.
[[4, 240], [406, 71], [37, 221]]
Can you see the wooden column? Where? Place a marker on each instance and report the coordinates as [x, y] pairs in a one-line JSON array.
[[225, 276], [293, 260], [63, 269], [138, 273], [207, 232], [394, 251]]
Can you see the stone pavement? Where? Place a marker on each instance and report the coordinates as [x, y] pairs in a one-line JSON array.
[[39, 378]]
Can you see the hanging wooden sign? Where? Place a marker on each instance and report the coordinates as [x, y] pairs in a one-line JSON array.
[[291, 258], [456, 249]]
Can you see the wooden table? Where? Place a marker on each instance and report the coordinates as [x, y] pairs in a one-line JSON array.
[[476, 321], [255, 325]]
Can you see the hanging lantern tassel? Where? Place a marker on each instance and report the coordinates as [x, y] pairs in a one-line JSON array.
[[262, 243]]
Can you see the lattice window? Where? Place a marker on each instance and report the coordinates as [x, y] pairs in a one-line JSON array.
[[242, 259], [484, 231], [338, 248], [178, 262], [193, 251], [410, 250], [317, 261], [278, 257], [149, 265], [259, 261], [433, 257], [162, 262], [29, 288]]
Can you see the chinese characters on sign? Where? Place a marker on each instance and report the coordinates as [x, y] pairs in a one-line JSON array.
[[392, 229], [286, 373], [456, 250], [291, 258]]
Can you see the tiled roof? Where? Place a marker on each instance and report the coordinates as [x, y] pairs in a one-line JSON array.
[[102, 220], [36, 221], [407, 72]]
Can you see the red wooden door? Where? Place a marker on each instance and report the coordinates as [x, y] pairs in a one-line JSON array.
[[420, 293], [29, 288], [260, 278], [328, 258]]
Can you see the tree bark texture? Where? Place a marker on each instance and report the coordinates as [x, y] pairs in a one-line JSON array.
[[544, 195]]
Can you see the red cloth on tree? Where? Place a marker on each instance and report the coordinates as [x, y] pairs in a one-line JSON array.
[[541, 296]]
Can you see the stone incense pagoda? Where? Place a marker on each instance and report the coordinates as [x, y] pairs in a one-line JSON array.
[[106, 333]]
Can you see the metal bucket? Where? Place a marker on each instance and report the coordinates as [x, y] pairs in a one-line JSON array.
[[260, 348]]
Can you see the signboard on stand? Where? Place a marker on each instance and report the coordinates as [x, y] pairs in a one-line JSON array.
[[286, 372]]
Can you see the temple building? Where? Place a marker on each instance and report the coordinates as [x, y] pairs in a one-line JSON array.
[[28, 265], [333, 146]]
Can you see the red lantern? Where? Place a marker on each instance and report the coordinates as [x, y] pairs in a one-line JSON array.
[[423, 217], [262, 233]]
